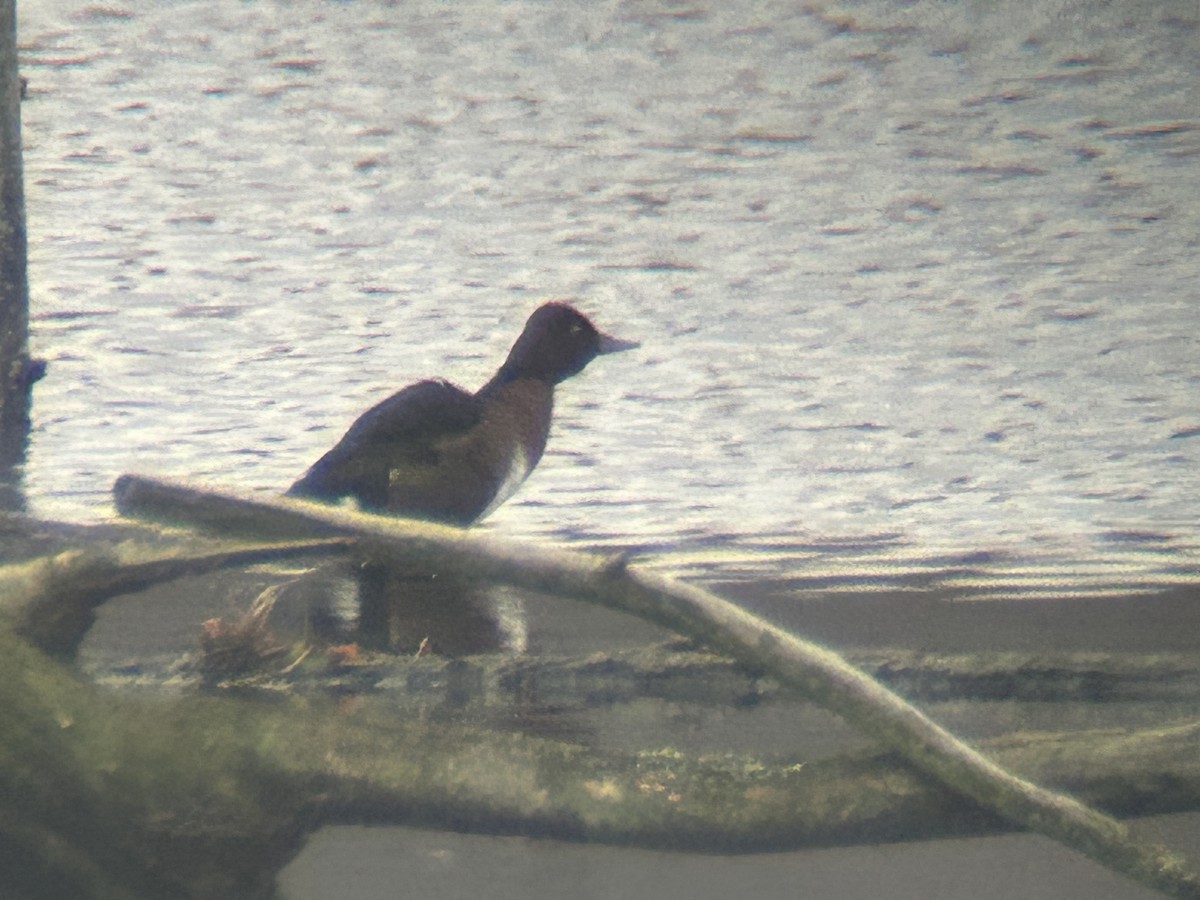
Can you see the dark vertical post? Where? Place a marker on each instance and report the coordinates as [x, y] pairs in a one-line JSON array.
[[17, 371]]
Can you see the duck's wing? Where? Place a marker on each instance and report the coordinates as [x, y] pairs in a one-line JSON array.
[[401, 431]]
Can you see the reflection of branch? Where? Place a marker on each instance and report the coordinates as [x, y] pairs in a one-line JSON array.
[[822, 675], [676, 673]]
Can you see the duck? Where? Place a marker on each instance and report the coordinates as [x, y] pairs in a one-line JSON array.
[[437, 452]]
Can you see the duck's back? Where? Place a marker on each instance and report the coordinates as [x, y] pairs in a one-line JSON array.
[[402, 432]]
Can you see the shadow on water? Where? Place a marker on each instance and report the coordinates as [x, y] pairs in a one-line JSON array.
[[12, 497], [381, 608], [14, 431]]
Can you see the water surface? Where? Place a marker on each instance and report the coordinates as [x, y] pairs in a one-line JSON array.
[[922, 273]]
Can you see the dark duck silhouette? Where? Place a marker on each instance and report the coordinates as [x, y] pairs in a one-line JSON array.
[[434, 451]]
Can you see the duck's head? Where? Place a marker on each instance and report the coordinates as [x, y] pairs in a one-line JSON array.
[[558, 341]]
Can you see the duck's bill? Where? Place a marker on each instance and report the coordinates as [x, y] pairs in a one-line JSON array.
[[610, 344]]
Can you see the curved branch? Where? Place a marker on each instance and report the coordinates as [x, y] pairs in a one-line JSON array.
[[52, 600], [821, 674]]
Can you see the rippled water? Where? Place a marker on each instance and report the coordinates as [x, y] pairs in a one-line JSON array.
[[919, 274]]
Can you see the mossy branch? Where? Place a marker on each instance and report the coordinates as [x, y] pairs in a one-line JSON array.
[[112, 795], [52, 600], [820, 674]]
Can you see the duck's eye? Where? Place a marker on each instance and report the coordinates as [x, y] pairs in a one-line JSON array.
[[575, 329]]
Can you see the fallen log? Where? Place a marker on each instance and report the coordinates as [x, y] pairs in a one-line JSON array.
[[113, 795], [821, 675]]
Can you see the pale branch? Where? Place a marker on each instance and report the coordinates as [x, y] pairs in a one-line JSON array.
[[819, 673]]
